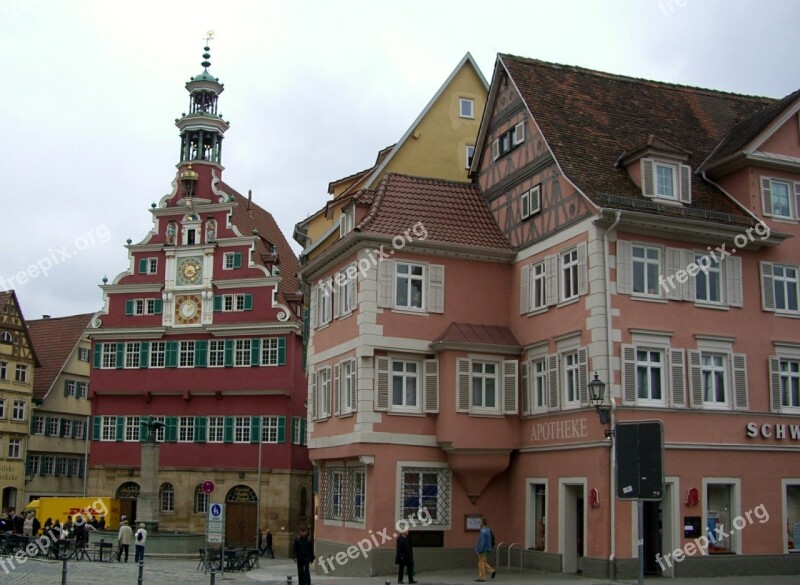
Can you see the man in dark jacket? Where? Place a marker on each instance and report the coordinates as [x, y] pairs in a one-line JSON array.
[[404, 557], [303, 554]]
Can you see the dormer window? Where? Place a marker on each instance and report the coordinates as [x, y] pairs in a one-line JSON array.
[[347, 221], [512, 137], [666, 180]]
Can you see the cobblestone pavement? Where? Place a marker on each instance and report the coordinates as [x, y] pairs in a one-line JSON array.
[[161, 571]]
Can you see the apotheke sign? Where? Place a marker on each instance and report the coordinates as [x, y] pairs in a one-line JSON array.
[[773, 431]]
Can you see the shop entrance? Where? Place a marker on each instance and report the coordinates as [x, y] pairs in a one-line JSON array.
[[653, 537], [573, 543]]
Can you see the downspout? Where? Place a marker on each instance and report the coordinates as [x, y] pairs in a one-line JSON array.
[[612, 480], [86, 431]]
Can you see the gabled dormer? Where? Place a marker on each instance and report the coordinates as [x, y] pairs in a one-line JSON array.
[[660, 170]]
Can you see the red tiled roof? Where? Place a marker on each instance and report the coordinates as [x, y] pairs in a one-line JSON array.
[[589, 119], [248, 216], [478, 334], [54, 340], [451, 212]]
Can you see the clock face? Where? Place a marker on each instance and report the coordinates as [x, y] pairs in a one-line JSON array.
[[190, 271], [187, 309]]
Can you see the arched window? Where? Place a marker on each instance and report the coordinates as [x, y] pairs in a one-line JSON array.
[[166, 495], [200, 500], [6, 337]]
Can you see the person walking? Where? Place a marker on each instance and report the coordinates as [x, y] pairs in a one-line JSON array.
[[404, 558], [266, 549], [124, 539], [483, 548], [27, 525], [141, 538], [303, 554]]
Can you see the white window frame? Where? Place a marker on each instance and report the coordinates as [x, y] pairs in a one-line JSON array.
[[269, 351], [538, 287], [229, 260], [21, 374], [347, 220], [646, 263], [791, 205], [108, 428], [483, 378], [242, 353], [570, 376], [705, 275], [569, 266], [18, 408], [650, 365], [789, 378], [348, 385], [241, 429], [15, 448], [38, 420], [673, 171], [405, 376], [152, 265], [470, 106], [707, 370], [186, 429], [79, 428], [323, 397], [3, 370], [216, 429], [201, 500], [410, 278], [158, 354], [132, 354], [166, 497], [186, 354], [269, 429], [469, 153], [109, 356], [216, 353], [786, 280], [325, 299], [132, 428], [83, 354], [53, 424]]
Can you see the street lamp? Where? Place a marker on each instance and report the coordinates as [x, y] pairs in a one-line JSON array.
[[597, 389]]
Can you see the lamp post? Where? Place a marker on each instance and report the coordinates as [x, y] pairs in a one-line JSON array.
[[597, 389]]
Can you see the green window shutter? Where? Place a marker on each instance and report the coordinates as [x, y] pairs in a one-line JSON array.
[[171, 354], [228, 353], [120, 428], [143, 266], [61, 424], [81, 464], [144, 353], [129, 307], [228, 430], [143, 421], [200, 353], [248, 302], [217, 303], [171, 430], [200, 426], [98, 355], [255, 429], [281, 429], [33, 424], [120, 355], [66, 387], [237, 259], [281, 351], [255, 352], [47, 426], [158, 307], [97, 423], [56, 465]]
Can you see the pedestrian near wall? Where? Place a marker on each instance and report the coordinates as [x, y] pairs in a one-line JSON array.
[[140, 539], [483, 548], [303, 554], [124, 539], [266, 545], [404, 559]]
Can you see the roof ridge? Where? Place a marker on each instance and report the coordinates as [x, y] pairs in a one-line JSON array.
[[438, 180]]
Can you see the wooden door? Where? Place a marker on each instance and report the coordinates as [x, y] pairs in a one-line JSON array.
[[240, 524]]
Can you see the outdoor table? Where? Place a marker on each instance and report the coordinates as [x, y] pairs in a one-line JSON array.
[[104, 549]]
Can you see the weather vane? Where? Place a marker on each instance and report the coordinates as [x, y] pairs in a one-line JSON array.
[[209, 36]]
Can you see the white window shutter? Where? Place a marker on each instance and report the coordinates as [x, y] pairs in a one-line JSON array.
[[766, 196], [583, 270], [688, 288], [525, 204], [328, 299], [314, 317], [386, 283], [624, 268], [436, 288], [312, 396], [674, 264], [495, 149], [740, 399], [524, 388], [337, 300], [677, 373], [337, 385], [551, 279], [353, 289], [552, 380], [733, 280], [354, 388], [510, 387], [648, 178], [797, 200], [431, 386], [464, 385], [525, 290], [695, 378], [519, 133], [685, 172], [767, 287], [381, 383], [776, 401], [628, 374], [327, 396], [536, 199], [583, 375]]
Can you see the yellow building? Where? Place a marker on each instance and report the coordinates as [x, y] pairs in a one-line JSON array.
[[59, 440], [439, 144], [17, 362]]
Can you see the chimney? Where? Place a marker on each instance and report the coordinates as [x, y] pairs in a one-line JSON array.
[[45, 316]]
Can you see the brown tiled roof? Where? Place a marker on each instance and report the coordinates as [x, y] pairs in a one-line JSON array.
[[589, 118], [382, 154], [478, 334], [451, 212], [248, 216], [54, 340]]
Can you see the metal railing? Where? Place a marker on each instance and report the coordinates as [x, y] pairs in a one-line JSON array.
[[508, 555]]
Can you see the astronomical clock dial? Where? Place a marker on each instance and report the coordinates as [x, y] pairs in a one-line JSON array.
[[190, 271], [187, 309]]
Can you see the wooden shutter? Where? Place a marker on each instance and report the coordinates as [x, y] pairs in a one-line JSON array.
[[129, 307], [677, 378], [120, 355], [510, 387], [248, 302], [255, 352], [629, 374], [98, 355], [685, 172], [143, 266], [381, 383], [295, 422], [313, 306], [326, 393], [776, 400], [495, 149], [312, 395], [525, 387], [171, 429], [281, 429], [200, 429], [733, 280], [255, 429], [200, 353], [740, 398], [120, 428], [386, 283], [281, 351], [797, 200], [337, 297], [525, 290], [536, 199], [337, 399], [766, 196], [551, 279], [97, 425], [583, 376], [583, 271], [624, 268], [525, 204], [227, 431], [552, 380], [767, 287], [158, 306], [648, 186], [354, 387], [171, 354], [519, 133], [237, 259], [673, 287], [352, 291], [217, 303], [227, 357], [688, 288], [66, 388], [431, 386], [144, 354], [695, 378], [436, 288], [464, 385]]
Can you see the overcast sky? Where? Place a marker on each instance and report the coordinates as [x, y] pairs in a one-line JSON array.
[[313, 89]]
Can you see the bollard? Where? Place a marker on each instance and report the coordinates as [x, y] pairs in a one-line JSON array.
[[387, 582], [64, 571], [141, 571], [288, 580], [213, 576]]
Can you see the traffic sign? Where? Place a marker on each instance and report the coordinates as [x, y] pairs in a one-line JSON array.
[[208, 487], [215, 512]]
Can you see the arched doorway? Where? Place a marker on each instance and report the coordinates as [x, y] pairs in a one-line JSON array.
[[10, 498], [127, 494], [241, 513]]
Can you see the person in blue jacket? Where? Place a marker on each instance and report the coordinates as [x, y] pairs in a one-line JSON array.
[[483, 548]]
